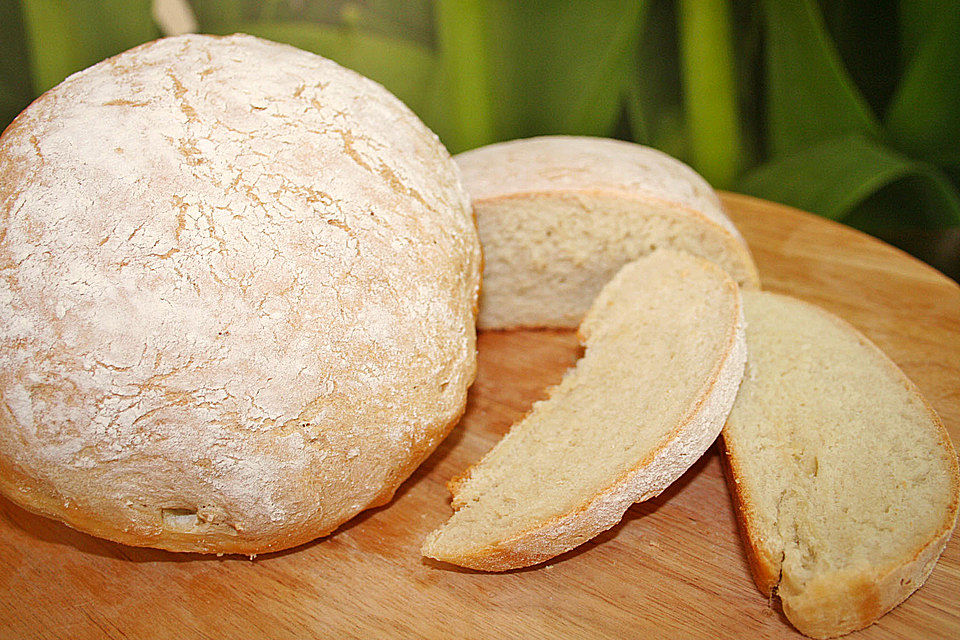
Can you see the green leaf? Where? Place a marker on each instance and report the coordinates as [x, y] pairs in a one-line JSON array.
[[709, 89], [949, 162], [899, 207], [810, 96], [65, 37], [560, 65], [410, 19], [671, 135], [589, 101], [658, 127], [866, 35], [406, 20], [924, 115], [406, 69], [835, 176], [15, 90], [748, 46], [638, 105]]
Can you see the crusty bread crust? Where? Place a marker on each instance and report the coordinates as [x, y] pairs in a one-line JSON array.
[[658, 470], [241, 293], [831, 608], [843, 603], [764, 564]]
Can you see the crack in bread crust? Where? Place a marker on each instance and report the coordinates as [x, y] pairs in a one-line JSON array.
[[241, 283]]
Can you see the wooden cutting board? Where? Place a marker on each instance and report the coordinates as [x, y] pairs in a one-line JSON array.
[[674, 568]]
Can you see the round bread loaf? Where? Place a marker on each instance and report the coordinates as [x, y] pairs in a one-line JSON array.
[[560, 215], [239, 286]]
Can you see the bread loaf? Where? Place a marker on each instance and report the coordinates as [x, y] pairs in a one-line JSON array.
[[239, 288], [664, 355], [560, 215], [844, 478]]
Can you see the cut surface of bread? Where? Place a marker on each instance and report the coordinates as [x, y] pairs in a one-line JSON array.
[[844, 478], [559, 216], [664, 356]]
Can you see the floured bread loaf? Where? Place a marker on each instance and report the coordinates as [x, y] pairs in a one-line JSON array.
[[239, 286], [844, 478], [664, 355], [559, 215]]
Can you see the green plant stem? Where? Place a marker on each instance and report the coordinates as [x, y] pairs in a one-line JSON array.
[[834, 177], [466, 72], [709, 89], [810, 97], [924, 114]]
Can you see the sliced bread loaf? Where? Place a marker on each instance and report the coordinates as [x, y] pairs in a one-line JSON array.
[[844, 478], [664, 356], [559, 215]]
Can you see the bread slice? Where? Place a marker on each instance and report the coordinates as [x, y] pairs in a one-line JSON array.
[[844, 479], [664, 356], [559, 216]]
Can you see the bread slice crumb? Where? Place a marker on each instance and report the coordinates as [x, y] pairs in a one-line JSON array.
[[664, 356]]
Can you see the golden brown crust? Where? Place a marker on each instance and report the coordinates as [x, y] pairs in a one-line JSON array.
[[844, 604], [764, 567]]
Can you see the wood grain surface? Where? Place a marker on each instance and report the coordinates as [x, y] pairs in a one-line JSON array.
[[674, 568]]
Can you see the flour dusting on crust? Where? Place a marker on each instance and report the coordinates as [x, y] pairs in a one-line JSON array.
[[239, 284]]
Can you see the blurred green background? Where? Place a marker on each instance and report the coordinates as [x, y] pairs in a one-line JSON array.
[[849, 109]]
